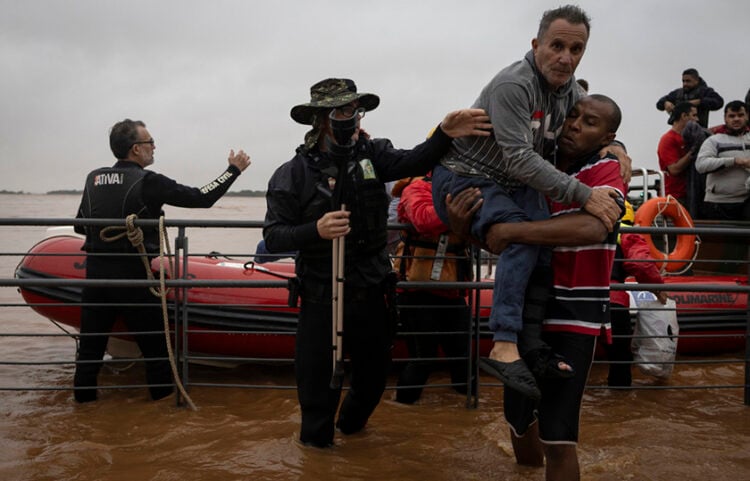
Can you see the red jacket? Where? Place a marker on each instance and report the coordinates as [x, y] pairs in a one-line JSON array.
[[633, 247], [416, 207]]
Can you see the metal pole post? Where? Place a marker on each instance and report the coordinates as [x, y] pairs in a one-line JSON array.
[[184, 318], [747, 341], [337, 309]]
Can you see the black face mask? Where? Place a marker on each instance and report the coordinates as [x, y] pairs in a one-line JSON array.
[[343, 130]]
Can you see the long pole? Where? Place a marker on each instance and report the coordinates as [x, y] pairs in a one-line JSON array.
[[337, 309]]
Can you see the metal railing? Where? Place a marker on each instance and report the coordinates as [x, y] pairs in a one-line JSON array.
[[476, 334]]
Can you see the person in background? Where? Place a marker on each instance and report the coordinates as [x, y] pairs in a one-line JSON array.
[[527, 102], [725, 158], [335, 166], [695, 91], [394, 191], [630, 255], [114, 193], [584, 84], [674, 159], [262, 255], [693, 136], [430, 253]]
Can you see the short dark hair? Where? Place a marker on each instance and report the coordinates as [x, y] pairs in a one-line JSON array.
[[583, 83], [692, 72], [616, 119], [735, 106], [122, 136], [678, 110], [573, 14]]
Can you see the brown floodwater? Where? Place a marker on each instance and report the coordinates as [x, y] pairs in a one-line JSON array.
[[244, 434]]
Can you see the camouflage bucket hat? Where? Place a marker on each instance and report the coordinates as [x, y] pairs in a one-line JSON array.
[[332, 93]]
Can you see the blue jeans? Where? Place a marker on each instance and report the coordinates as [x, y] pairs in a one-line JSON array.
[[516, 263]]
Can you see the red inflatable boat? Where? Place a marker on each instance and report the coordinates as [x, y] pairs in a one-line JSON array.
[[256, 322]]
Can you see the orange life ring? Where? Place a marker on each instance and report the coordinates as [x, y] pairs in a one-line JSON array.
[[668, 207]]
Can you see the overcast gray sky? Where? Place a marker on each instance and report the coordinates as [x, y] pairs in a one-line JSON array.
[[210, 76]]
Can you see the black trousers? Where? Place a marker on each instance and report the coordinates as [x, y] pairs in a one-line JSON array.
[[367, 343], [619, 350], [120, 303], [442, 317]]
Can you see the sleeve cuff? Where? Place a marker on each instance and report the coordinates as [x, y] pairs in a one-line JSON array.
[[307, 233]]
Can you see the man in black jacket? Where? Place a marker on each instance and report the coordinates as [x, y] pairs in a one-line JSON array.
[[338, 165], [697, 92], [116, 192]]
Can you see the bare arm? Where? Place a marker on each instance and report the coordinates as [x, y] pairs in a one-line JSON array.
[[567, 230], [573, 229], [681, 165]]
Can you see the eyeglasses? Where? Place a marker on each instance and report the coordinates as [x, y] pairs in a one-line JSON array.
[[349, 111], [149, 141]]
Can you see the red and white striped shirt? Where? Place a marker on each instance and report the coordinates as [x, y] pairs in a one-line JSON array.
[[580, 298]]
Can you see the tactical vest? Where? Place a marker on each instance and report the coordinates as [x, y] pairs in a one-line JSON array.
[[115, 193], [363, 193]]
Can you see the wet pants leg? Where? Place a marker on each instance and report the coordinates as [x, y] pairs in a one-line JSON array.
[[137, 308], [368, 343], [619, 350], [313, 361], [91, 346], [153, 345], [447, 320], [417, 315]]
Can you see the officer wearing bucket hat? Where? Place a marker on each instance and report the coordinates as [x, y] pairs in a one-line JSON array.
[[338, 164]]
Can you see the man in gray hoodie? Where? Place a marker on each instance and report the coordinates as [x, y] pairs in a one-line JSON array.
[[725, 157], [527, 103]]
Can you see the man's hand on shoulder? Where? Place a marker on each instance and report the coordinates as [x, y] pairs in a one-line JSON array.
[[626, 163], [240, 160], [466, 122]]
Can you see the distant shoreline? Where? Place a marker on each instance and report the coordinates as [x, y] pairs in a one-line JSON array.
[[240, 193]]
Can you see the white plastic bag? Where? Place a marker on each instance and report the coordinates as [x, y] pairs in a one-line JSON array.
[[654, 355]]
